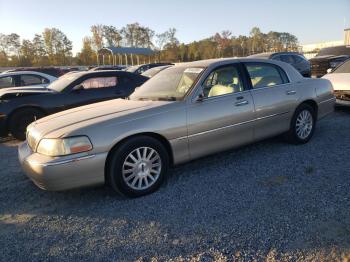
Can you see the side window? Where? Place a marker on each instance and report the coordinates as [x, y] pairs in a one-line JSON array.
[[27, 80], [264, 75], [287, 59], [100, 82], [277, 57], [298, 59], [221, 81], [7, 81]]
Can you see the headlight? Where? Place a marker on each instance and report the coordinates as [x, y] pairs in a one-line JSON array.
[[64, 146]]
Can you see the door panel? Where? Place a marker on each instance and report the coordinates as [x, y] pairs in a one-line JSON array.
[[220, 123], [274, 107], [274, 98]]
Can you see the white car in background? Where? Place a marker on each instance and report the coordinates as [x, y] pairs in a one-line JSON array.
[[340, 79], [25, 78]]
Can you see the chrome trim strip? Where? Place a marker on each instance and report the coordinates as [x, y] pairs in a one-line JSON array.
[[237, 124], [328, 100], [62, 161]]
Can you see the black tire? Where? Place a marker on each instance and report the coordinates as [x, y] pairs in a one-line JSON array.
[[115, 163], [20, 119], [292, 136]]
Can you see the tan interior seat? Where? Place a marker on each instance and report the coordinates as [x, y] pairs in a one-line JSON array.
[[266, 81]]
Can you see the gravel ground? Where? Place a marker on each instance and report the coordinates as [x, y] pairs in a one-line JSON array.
[[268, 201]]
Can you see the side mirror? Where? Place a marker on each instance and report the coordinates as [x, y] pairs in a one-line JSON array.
[[78, 87], [329, 70], [200, 97]]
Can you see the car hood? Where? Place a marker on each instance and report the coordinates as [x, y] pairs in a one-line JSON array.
[[26, 89], [340, 81], [58, 124]]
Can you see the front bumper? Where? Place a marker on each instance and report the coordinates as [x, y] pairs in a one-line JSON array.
[[342, 96], [62, 173]]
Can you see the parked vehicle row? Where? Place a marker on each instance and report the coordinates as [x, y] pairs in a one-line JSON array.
[[184, 112], [20, 106], [328, 59]]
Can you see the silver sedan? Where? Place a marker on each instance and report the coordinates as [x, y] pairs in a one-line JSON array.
[[185, 112]]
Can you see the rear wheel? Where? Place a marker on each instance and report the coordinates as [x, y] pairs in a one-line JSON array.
[[21, 119], [138, 166], [303, 125]]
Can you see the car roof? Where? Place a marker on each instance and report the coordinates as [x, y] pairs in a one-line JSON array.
[[267, 55], [14, 73], [104, 72], [292, 73], [22, 72], [217, 61]]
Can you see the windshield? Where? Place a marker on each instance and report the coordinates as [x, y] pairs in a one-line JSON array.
[[170, 84], [62, 82], [343, 68]]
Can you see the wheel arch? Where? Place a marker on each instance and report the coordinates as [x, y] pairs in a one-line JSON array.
[[311, 103], [26, 107], [156, 136]]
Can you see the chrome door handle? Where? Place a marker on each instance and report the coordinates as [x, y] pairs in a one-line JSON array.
[[291, 92], [241, 103]]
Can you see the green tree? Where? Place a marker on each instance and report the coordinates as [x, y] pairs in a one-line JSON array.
[[87, 55]]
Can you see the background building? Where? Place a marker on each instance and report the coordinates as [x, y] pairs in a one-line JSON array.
[[311, 50]]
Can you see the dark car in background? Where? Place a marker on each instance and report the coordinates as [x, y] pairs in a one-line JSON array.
[[297, 60], [21, 106], [328, 58], [139, 69]]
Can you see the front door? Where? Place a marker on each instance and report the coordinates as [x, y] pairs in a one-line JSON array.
[[224, 117]]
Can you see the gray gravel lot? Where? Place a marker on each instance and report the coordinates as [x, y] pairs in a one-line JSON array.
[[267, 201]]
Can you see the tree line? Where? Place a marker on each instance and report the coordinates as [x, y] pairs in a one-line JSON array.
[[52, 46]]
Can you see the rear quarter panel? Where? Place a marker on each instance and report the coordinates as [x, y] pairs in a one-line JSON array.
[[320, 91]]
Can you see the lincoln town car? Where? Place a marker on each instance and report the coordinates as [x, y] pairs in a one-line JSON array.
[[185, 112]]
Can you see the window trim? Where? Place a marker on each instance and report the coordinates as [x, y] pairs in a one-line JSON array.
[[283, 74], [241, 74], [99, 88]]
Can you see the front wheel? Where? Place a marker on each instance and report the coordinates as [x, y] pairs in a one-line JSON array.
[[138, 166], [303, 125]]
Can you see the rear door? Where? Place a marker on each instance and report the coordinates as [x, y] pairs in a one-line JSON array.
[[274, 97], [224, 117]]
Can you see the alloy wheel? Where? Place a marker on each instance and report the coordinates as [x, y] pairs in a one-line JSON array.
[[141, 168], [304, 124]]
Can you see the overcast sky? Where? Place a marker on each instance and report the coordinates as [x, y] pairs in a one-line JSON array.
[[311, 21]]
